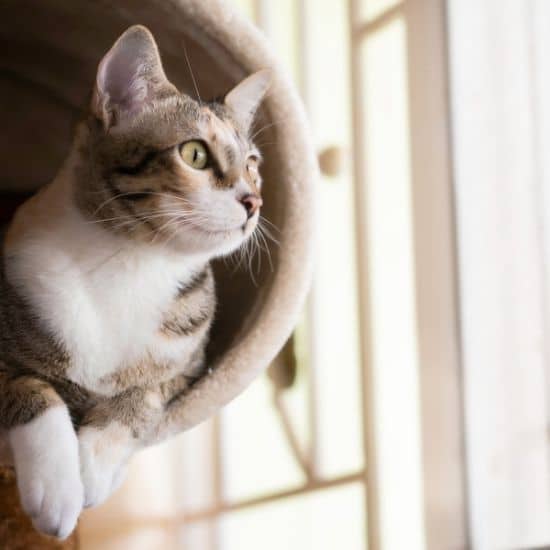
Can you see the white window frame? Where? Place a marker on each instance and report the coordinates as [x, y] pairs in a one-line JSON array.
[[439, 378]]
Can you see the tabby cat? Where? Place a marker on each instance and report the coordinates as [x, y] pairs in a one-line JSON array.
[[106, 292]]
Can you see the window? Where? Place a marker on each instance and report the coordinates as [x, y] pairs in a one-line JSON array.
[[428, 270]]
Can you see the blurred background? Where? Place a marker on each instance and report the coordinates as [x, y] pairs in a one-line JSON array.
[[410, 410]]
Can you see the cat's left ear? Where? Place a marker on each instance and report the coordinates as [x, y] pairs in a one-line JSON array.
[[129, 77], [245, 98]]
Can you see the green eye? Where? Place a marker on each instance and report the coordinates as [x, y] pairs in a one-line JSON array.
[[194, 154]]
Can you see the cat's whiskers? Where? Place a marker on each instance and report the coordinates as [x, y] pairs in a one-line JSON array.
[[265, 247], [266, 144], [179, 225], [157, 212], [142, 217], [267, 227], [265, 220], [269, 125], [134, 222], [191, 73], [111, 199], [252, 253], [178, 219], [256, 244], [238, 257], [130, 193], [257, 251], [245, 255]]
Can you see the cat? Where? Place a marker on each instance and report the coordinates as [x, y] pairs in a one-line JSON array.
[[106, 290]]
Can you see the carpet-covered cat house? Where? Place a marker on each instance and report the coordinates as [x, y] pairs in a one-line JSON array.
[[51, 50], [50, 53]]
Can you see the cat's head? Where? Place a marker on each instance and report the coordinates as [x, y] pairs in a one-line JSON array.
[[162, 167]]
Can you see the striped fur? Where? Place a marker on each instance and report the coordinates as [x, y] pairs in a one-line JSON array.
[[106, 292]]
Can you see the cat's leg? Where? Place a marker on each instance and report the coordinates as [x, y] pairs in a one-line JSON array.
[[44, 450], [109, 435]]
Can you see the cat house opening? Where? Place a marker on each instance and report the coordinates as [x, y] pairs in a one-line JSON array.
[[50, 52]]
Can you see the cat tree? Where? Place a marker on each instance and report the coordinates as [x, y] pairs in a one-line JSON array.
[[51, 49]]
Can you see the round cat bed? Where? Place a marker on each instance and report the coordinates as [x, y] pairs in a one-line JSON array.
[[51, 49]]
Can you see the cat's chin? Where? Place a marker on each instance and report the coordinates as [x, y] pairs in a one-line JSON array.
[[212, 243]]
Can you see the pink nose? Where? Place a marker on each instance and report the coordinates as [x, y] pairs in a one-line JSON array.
[[251, 203]]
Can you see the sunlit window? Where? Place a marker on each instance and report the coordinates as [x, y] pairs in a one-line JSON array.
[[329, 438]]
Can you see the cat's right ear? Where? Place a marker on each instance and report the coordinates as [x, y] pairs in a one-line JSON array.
[[129, 77]]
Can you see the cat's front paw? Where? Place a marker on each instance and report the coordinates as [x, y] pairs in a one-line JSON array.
[[46, 460], [54, 505], [104, 453]]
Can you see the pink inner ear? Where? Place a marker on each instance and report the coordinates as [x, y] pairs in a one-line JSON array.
[[129, 73], [119, 80]]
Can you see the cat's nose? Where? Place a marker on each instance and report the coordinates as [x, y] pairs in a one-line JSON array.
[[251, 203]]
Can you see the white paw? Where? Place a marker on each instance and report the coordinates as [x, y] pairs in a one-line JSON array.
[[45, 453], [103, 457]]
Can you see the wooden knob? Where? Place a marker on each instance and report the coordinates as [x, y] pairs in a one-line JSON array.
[[331, 161]]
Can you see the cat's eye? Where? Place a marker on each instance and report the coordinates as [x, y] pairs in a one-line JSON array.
[[194, 154]]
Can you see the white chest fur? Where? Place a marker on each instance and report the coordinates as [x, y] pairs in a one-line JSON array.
[[101, 295]]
